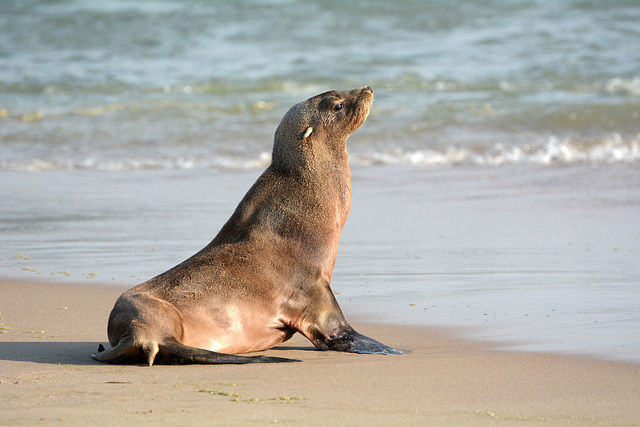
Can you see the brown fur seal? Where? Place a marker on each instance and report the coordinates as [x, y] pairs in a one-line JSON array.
[[267, 273]]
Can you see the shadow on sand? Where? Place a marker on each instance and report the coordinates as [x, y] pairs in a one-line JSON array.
[[69, 353], [49, 352]]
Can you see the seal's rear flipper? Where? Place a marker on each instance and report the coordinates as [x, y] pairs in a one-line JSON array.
[[354, 342], [174, 353]]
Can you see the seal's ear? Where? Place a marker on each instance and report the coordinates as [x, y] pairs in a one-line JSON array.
[[307, 133]]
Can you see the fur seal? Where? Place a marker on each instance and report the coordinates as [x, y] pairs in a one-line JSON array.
[[267, 273]]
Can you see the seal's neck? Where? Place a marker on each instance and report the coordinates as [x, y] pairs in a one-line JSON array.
[[321, 172]]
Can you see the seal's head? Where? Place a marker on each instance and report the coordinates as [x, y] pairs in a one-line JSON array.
[[319, 127]]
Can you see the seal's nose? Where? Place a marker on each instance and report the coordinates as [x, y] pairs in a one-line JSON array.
[[368, 88]]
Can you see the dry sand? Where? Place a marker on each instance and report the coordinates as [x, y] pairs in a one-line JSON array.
[[47, 377]]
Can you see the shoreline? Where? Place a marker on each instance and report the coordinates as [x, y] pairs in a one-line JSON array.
[[543, 253], [47, 376]]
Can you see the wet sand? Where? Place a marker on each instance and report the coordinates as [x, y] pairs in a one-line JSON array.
[[47, 377], [541, 259]]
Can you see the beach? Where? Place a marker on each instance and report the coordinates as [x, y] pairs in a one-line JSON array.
[[501, 323], [494, 231], [536, 258], [48, 377]]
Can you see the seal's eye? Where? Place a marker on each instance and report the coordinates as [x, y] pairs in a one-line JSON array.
[[338, 107]]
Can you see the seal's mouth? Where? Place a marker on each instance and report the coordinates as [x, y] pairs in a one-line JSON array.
[[362, 107]]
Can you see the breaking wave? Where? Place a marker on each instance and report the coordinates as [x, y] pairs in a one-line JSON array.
[[555, 150], [612, 149]]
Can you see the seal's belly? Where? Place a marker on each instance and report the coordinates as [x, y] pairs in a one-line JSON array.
[[234, 331]]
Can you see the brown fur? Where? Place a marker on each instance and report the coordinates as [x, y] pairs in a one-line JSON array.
[[267, 273]]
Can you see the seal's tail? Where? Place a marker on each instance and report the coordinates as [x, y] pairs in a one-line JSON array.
[[173, 353]]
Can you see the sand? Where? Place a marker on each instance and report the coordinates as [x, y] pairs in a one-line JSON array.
[[47, 377], [540, 258]]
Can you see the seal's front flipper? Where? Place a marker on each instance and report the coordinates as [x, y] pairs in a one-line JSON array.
[[326, 327], [354, 342]]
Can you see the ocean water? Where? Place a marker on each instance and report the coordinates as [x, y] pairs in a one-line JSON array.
[[505, 133], [116, 85]]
